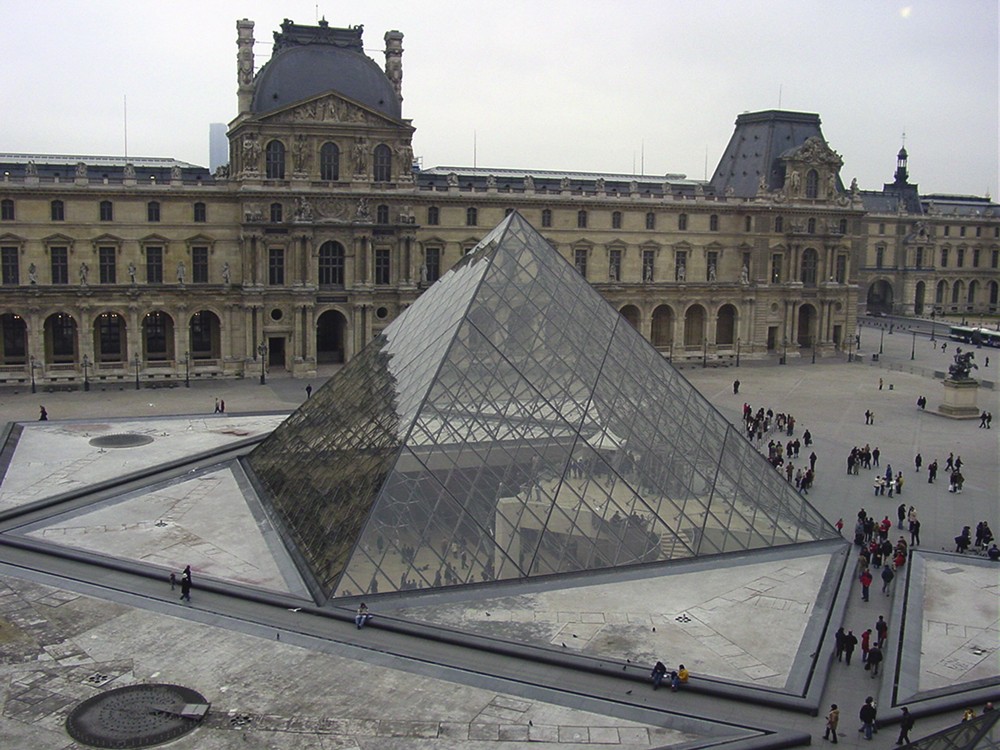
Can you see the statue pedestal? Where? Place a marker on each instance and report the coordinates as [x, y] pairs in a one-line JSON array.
[[960, 399]]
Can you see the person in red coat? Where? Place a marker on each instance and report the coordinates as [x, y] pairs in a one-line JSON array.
[[866, 582]]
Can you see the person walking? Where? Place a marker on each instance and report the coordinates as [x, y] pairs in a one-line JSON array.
[[43, 415], [866, 582], [838, 643], [832, 720], [186, 585], [918, 461], [736, 386], [850, 643], [932, 471], [915, 532], [874, 659], [901, 514], [882, 630], [887, 576], [905, 725], [309, 391], [868, 714], [866, 645]]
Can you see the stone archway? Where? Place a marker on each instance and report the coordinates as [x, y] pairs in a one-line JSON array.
[[725, 326], [631, 314], [662, 333], [880, 297], [13, 340], [694, 327], [805, 334], [918, 298], [330, 328]]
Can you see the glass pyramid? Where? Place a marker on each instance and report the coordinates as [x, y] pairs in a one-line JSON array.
[[511, 423]]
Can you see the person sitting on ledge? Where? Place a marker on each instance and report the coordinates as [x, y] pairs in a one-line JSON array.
[[678, 678], [363, 616]]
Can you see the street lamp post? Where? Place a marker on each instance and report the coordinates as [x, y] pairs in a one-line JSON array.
[[913, 346], [262, 351], [784, 353], [814, 350], [86, 366], [737, 352], [932, 327], [850, 349], [33, 364], [881, 338], [704, 353], [187, 369], [135, 361]]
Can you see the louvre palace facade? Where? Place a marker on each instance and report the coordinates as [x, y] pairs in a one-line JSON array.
[[322, 229]]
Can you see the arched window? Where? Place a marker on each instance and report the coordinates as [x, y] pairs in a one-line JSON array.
[[200, 214], [812, 184], [971, 299], [471, 216], [107, 211], [942, 289], [331, 264], [433, 216], [329, 162], [382, 214], [956, 292], [682, 222], [276, 212], [809, 263], [383, 164], [274, 160]]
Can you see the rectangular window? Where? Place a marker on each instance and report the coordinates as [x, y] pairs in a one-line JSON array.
[[776, 268], [200, 213], [979, 231], [153, 211], [106, 265], [581, 219], [995, 259], [546, 217], [59, 262], [199, 265], [580, 261], [944, 257], [276, 266], [7, 209], [650, 221], [975, 257], [616, 219], [712, 266], [947, 230], [960, 257], [680, 266], [649, 265], [713, 223], [58, 211], [154, 265], [382, 265], [433, 216], [9, 266], [879, 257], [920, 257], [881, 228], [841, 269], [433, 261], [614, 265], [107, 211], [961, 231]]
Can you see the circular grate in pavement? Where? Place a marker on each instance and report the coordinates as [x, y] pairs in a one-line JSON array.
[[136, 716], [121, 440]]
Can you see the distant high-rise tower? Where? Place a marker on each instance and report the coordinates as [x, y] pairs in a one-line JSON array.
[[218, 145]]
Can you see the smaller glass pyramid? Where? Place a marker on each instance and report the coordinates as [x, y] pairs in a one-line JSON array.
[[509, 424]]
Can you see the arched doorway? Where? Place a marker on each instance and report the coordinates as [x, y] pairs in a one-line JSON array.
[[205, 336], [918, 298], [330, 327], [631, 314], [880, 297], [662, 332], [725, 326], [14, 340], [157, 337], [60, 338], [694, 327], [109, 338], [806, 332]]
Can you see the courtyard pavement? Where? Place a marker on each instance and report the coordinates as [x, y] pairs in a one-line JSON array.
[[289, 679]]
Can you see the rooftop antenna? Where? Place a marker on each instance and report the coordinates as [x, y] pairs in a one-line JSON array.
[[125, 117], [475, 147], [779, 94], [706, 163], [642, 160]]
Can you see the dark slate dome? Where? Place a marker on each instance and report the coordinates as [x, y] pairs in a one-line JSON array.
[[300, 72]]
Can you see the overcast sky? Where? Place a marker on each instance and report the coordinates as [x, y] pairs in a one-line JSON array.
[[580, 85]]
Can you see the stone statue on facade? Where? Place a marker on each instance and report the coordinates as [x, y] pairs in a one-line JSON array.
[[599, 185], [831, 185], [711, 272], [529, 182], [175, 173], [491, 181], [794, 180], [762, 184], [32, 274], [226, 274], [30, 169], [364, 212], [84, 272], [745, 275], [681, 273], [81, 169], [405, 155], [131, 272], [647, 273], [251, 154], [452, 180], [129, 171], [360, 156], [303, 209], [564, 183], [963, 366], [300, 154]]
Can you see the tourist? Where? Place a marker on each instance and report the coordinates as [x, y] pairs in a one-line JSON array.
[[832, 719], [658, 673]]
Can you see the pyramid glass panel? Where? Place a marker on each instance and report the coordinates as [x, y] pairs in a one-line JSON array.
[[509, 424]]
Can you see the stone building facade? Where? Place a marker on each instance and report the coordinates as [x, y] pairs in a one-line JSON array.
[[322, 229]]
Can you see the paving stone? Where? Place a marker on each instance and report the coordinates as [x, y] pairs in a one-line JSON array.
[[604, 736], [489, 732], [569, 734], [544, 733], [513, 733], [453, 730]]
